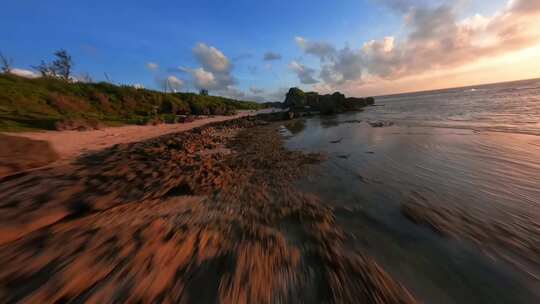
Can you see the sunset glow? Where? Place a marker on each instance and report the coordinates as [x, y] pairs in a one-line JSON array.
[[523, 64]]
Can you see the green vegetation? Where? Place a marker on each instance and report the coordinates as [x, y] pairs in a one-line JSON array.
[[29, 104]]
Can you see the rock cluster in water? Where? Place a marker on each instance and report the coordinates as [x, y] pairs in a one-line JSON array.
[[299, 101]]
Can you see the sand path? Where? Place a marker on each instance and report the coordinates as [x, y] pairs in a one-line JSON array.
[[70, 144]]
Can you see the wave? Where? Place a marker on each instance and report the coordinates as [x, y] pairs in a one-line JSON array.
[[464, 126]]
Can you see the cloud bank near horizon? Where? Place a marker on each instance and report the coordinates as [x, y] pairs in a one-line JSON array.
[[435, 39]]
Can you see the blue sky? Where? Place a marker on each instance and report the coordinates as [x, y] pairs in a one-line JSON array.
[[121, 37]]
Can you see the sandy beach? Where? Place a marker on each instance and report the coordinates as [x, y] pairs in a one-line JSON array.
[[70, 144], [207, 215]]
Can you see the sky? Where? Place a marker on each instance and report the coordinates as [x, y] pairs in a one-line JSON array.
[[256, 50]]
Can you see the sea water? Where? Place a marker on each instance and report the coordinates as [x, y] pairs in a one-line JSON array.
[[475, 148]]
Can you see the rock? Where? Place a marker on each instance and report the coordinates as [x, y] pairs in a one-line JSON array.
[[77, 124], [291, 115], [351, 121], [370, 101], [295, 99], [354, 103], [300, 101], [313, 100], [381, 124], [330, 104], [184, 118], [19, 154]]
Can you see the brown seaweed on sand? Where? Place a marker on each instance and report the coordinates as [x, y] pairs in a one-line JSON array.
[[124, 225], [515, 240]]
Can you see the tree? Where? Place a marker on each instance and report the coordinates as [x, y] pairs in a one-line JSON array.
[[109, 80], [165, 85], [60, 67], [5, 63], [45, 69], [63, 64], [203, 92], [85, 77]]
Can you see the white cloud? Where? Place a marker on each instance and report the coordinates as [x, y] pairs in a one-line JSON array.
[[215, 72], [322, 50], [175, 82], [347, 64], [305, 74], [152, 66], [25, 73], [232, 92], [211, 58], [524, 6], [436, 39], [279, 94], [203, 78], [256, 91], [170, 83]]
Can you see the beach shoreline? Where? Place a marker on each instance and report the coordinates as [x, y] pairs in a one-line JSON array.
[[71, 144], [479, 202], [28, 151], [213, 207]]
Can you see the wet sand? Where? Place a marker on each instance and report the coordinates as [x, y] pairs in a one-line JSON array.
[[208, 215], [451, 213]]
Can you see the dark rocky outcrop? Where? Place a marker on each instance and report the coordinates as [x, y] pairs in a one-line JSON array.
[[380, 124], [370, 101], [299, 101], [330, 104], [295, 99], [354, 102]]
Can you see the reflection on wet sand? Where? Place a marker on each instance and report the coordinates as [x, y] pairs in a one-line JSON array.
[[480, 191]]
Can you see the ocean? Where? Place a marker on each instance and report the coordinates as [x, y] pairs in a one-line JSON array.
[[512, 107], [474, 151]]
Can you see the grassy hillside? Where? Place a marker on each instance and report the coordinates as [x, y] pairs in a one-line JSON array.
[[27, 104]]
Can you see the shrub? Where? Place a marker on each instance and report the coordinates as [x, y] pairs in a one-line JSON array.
[[173, 105], [102, 102], [66, 104], [38, 103], [78, 124]]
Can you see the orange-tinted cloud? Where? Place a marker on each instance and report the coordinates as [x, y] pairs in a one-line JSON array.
[[436, 40]]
